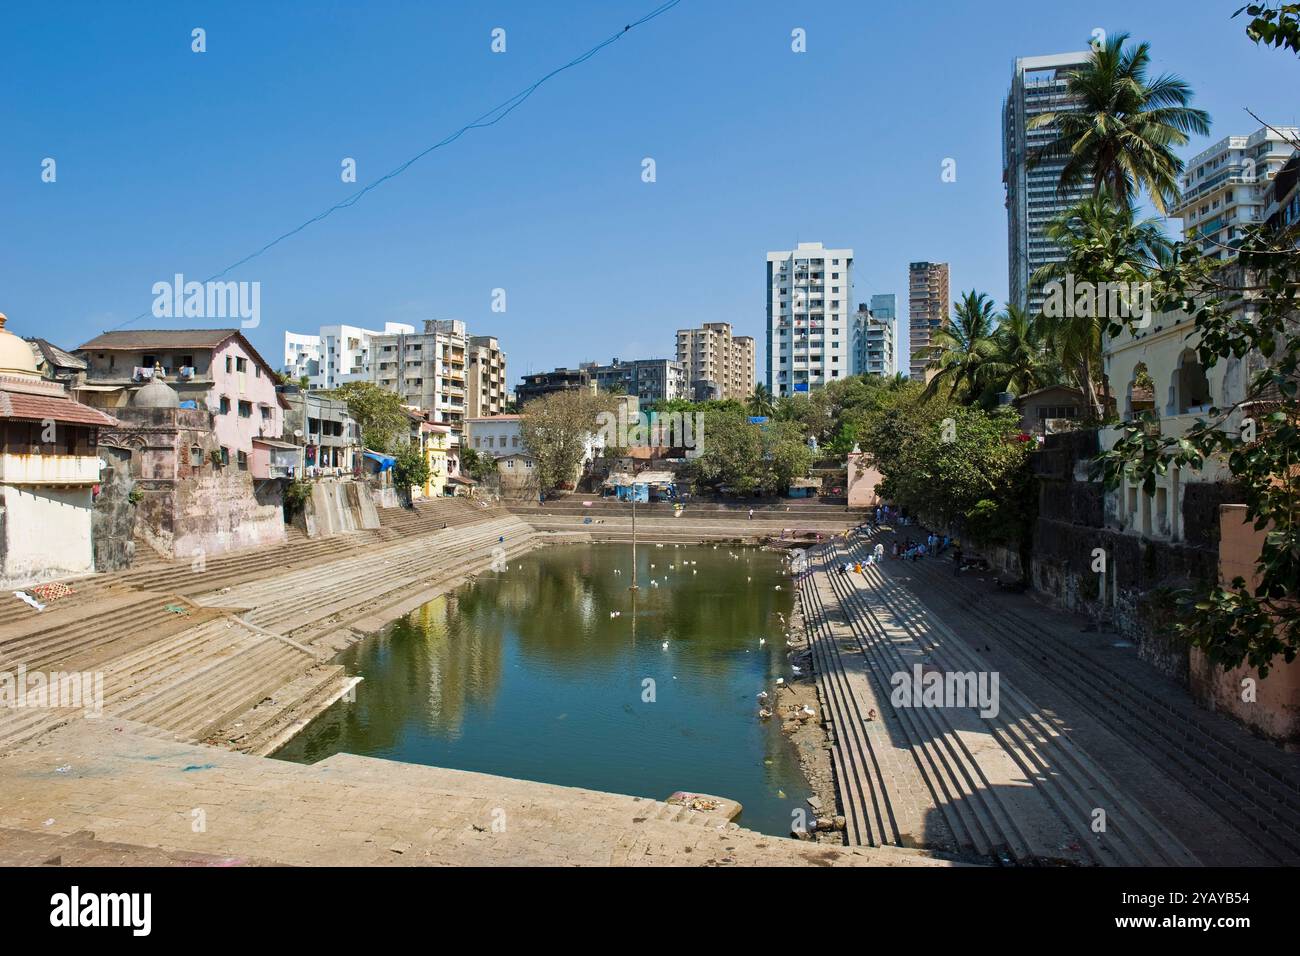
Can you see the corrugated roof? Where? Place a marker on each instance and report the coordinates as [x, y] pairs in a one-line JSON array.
[[131, 339], [39, 408], [54, 355]]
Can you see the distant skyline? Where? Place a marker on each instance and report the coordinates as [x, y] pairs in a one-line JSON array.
[[170, 161]]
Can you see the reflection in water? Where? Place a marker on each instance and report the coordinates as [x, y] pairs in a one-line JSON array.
[[554, 670]]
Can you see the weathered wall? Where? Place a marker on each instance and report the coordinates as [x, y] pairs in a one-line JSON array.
[[862, 482], [222, 510], [1133, 593], [113, 520], [44, 533], [1274, 711], [338, 506]]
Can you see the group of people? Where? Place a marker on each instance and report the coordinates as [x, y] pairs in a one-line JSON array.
[[913, 550]]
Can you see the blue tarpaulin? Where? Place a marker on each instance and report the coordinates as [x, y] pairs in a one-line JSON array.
[[384, 461]]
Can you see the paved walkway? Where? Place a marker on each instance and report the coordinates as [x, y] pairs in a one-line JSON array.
[[1078, 732], [162, 802]]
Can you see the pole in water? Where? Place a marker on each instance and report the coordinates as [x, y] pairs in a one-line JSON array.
[[634, 584]]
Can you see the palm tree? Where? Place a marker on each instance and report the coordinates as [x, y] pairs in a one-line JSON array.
[[1019, 361], [959, 351], [1122, 134], [1103, 243], [760, 401]]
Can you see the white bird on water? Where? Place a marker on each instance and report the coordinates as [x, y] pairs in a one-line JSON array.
[[664, 645], [762, 641]]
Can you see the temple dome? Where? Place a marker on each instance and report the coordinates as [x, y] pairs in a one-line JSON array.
[[156, 394], [16, 356]]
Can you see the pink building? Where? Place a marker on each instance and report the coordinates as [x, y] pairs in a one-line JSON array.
[[214, 369]]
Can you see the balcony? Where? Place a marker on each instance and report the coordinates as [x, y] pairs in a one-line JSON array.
[[49, 469]]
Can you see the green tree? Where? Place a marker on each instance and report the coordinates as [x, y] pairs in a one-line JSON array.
[[785, 455], [410, 469], [1019, 361], [385, 425], [732, 452], [556, 429], [760, 401], [477, 466], [1273, 24], [959, 467], [1105, 247], [1122, 135], [960, 351]]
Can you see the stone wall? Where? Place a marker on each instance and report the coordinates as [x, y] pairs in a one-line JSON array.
[[222, 510], [338, 506], [1134, 594], [1270, 706], [113, 518]]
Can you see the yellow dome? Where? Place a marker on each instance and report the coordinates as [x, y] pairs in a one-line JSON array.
[[16, 356]]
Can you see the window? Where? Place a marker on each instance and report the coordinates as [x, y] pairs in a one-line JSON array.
[[266, 413], [245, 409], [186, 361], [229, 363], [241, 365], [196, 456], [225, 455], [243, 461], [225, 405], [149, 361]]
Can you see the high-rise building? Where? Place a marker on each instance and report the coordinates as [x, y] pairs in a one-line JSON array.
[[875, 337], [338, 354], [428, 370], [717, 364], [1033, 193], [485, 375], [650, 380], [809, 334], [927, 309], [1228, 187]]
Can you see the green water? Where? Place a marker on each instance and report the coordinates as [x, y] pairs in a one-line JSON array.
[[525, 674]]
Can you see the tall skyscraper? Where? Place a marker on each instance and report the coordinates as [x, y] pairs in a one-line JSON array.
[[1034, 196], [927, 309], [809, 333], [875, 337], [717, 363], [1227, 187]]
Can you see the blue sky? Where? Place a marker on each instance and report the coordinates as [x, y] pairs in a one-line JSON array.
[[170, 161]]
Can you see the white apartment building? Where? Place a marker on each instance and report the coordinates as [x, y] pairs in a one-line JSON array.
[[337, 355], [809, 331], [1227, 187], [716, 363], [875, 337], [429, 370]]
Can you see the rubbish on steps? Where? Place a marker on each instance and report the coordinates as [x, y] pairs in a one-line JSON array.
[[24, 596], [50, 592]]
